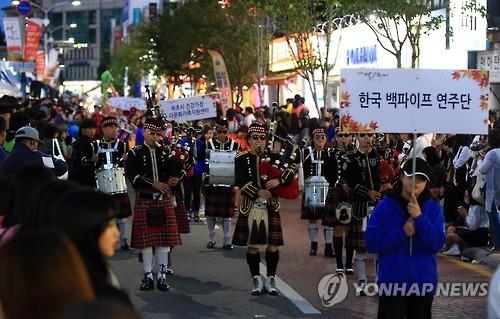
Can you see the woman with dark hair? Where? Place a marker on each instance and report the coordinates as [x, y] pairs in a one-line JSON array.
[[99, 309], [21, 192], [491, 168], [41, 276], [88, 219]]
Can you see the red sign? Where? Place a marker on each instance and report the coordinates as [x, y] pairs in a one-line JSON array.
[[32, 39], [40, 64]]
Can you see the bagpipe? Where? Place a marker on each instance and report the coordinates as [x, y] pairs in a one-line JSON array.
[[274, 164]]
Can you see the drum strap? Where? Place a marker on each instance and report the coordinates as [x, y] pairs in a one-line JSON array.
[[314, 161]]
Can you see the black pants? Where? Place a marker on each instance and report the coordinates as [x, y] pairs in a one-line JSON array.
[[413, 307], [192, 189]]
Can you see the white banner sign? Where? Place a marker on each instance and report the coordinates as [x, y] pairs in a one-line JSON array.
[[125, 103], [422, 101], [14, 38], [189, 109]]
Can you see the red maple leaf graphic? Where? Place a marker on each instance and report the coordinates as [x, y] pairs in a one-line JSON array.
[[456, 75], [346, 118], [373, 125], [476, 75], [485, 80]]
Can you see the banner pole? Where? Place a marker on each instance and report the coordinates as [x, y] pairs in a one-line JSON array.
[[413, 178]]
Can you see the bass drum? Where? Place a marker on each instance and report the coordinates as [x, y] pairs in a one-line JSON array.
[[111, 181], [221, 168]]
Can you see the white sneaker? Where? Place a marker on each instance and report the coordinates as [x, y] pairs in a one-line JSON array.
[[360, 291], [453, 251], [271, 286], [257, 286]]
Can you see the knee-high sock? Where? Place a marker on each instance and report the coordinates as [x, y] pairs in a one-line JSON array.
[[360, 264], [253, 261], [211, 228], [272, 259], [226, 226], [349, 252], [122, 226], [161, 254], [328, 232], [147, 261], [337, 246], [312, 230]]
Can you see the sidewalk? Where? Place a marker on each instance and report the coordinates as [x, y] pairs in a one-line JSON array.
[[483, 255]]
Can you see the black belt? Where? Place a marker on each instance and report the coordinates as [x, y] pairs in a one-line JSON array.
[[141, 195]]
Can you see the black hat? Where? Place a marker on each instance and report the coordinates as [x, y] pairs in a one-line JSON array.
[[256, 128], [88, 123], [8, 104], [422, 168], [221, 123], [109, 121], [153, 124]]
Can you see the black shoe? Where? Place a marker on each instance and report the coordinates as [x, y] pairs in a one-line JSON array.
[[314, 248], [196, 219], [349, 271], [360, 291], [329, 251], [228, 247], [124, 244], [169, 271], [211, 244], [162, 285], [147, 283]]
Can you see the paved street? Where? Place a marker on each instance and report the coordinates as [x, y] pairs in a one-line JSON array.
[[215, 283]]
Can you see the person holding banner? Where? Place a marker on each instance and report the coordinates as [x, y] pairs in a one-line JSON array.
[[219, 200], [406, 230], [109, 129], [362, 182], [310, 158], [153, 172], [259, 223]]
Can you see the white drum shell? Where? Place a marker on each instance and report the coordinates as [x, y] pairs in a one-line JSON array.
[[221, 167], [315, 192], [111, 181]]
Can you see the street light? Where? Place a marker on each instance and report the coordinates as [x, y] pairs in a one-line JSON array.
[[15, 2]]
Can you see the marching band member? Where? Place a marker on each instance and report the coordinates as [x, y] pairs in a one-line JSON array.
[[84, 155], [259, 223], [153, 172], [361, 178], [319, 152], [219, 200], [109, 129]]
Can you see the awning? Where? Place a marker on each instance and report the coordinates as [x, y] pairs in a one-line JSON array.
[[279, 78]]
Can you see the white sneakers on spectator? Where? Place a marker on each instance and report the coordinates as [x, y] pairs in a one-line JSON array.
[[453, 251]]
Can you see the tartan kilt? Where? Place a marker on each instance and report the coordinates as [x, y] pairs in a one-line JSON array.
[[144, 236], [181, 217], [219, 201], [356, 236], [335, 196], [123, 204], [242, 230]]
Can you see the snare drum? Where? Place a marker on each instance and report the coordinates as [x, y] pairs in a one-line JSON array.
[[221, 168], [111, 181], [315, 192]]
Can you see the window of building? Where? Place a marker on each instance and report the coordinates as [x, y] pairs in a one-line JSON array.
[[92, 36], [92, 17]]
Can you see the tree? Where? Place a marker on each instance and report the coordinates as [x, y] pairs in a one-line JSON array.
[[183, 37], [307, 26], [396, 22]]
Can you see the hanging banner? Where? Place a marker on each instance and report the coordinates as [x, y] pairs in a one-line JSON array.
[[40, 65], [126, 103], [32, 38], [190, 109], [222, 79], [408, 101], [13, 38]]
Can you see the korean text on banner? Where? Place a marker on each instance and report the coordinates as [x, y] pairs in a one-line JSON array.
[[423, 101], [40, 65], [13, 38], [222, 79], [32, 38], [189, 109], [125, 103]]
